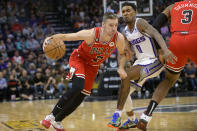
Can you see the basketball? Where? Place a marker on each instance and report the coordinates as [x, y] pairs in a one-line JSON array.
[[54, 48]]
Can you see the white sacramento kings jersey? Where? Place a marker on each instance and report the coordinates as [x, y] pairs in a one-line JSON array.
[[142, 44]]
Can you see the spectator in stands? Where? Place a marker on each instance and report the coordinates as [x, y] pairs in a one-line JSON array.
[[39, 82], [10, 46], [3, 64], [39, 60], [18, 69], [2, 45], [17, 58], [44, 64], [17, 27], [3, 87], [29, 60], [61, 82], [48, 30], [18, 44], [4, 55], [26, 91], [51, 88], [33, 44], [33, 20], [190, 71], [22, 18], [12, 17], [39, 33], [3, 17], [26, 29], [13, 92], [8, 70], [32, 69], [24, 47], [47, 73]]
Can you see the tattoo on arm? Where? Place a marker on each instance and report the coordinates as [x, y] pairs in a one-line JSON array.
[[168, 10], [145, 27]]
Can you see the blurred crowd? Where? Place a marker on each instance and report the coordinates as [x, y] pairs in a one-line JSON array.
[[25, 72]]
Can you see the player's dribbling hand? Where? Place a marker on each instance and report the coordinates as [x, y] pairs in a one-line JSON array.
[[46, 42], [169, 56], [122, 73]]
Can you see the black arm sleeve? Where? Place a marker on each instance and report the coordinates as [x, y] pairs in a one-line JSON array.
[[160, 21]]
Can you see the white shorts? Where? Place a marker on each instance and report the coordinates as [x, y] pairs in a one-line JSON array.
[[151, 68]]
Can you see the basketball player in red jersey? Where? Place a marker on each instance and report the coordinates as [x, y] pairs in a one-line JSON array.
[[183, 17], [98, 45]]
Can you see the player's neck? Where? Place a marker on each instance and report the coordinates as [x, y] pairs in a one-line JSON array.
[[104, 37], [131, 25]]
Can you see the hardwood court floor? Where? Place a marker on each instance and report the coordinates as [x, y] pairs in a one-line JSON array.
[[173, 114]]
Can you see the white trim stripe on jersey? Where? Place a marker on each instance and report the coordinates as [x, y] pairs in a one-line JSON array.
[[85, 92], [175, 69], [80, 75], [153, 45]]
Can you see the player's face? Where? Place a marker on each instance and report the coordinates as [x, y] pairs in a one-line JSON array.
[[110, 26], [128, 14]]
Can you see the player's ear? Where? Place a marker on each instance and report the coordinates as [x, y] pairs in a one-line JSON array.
[[103, 23]]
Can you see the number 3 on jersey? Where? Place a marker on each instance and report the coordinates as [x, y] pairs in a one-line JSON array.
[[187, 16]]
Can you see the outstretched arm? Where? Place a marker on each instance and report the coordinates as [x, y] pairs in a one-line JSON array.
[[128, 49], [121, 45], [144, 27], [86, 35]]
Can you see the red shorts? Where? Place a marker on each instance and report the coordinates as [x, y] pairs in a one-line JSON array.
[[184, 47], [79, 68]]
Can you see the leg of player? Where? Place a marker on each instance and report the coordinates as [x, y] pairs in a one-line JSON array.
[[160, 92], [77, 86], [73, 104], [67, 110], [132, 120], [133, 74]]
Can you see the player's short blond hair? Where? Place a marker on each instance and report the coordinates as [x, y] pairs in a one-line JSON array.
[[109, 15]]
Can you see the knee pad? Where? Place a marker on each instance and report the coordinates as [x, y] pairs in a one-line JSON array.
[[77, 86], [78, 83]]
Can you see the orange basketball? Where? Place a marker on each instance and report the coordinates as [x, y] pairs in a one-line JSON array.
[[54, 48]]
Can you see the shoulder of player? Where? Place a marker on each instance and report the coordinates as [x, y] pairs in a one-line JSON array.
[[142, 24], [88, 32], [170, 6], [123, 33], [168, 9], [89, 35], [120, 37]]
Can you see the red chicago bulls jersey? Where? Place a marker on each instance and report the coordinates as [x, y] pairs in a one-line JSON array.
[[184, 16], [97, 52]]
